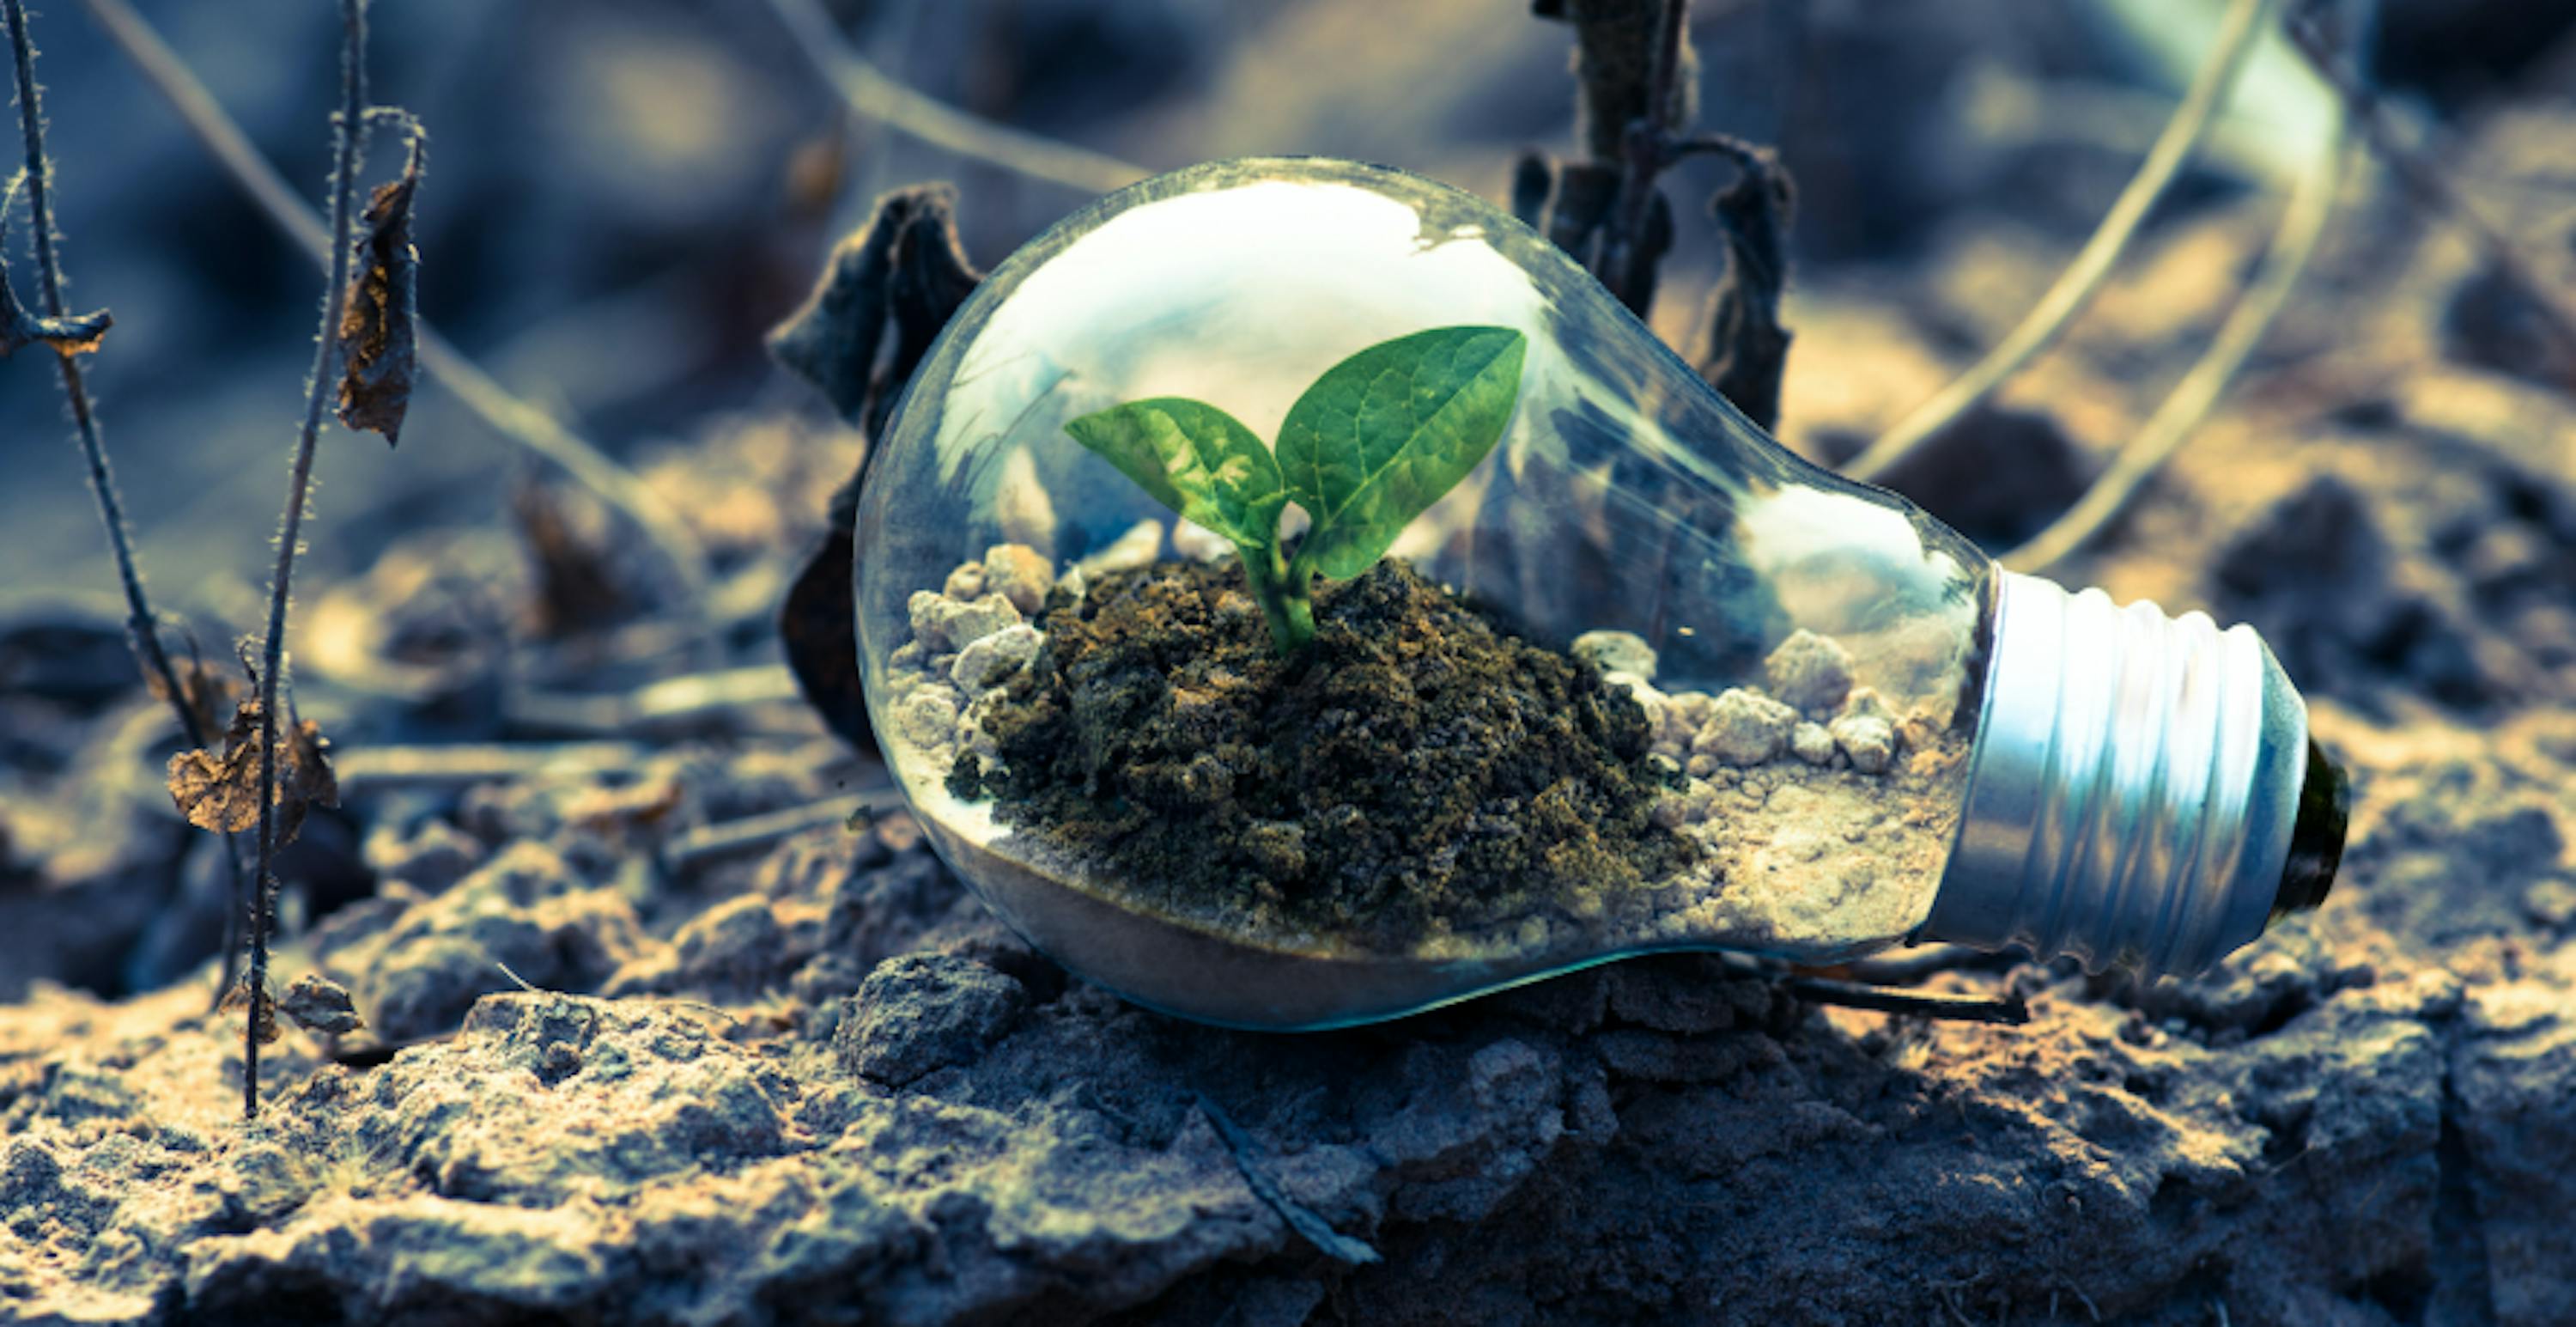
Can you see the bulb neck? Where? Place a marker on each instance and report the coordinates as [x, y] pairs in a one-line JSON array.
[[2142, 792]]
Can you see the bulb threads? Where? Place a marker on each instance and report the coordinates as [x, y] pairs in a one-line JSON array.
[[2136, 788]]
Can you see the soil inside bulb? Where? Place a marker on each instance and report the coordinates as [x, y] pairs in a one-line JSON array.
[[1418, 771], [1423, 782]]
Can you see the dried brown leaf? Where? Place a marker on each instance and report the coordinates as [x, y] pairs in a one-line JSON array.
[[264, 1015], [317, 1004], [378, 357], [570, 549], [204, 693], [882, 299], [221, 793]]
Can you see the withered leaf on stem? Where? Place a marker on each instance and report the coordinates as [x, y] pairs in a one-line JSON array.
[[377, 350], [203, 692], [884, 294], [221, 793], [263, 1013]]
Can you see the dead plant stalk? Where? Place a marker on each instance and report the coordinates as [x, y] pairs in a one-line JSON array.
[[2075, 287], [514, 419], [142, 625], [345, 130]]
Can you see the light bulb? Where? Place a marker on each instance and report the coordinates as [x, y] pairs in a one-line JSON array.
[[1862, 732]]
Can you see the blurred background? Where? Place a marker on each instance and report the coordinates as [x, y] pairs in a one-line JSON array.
[[624, 195]]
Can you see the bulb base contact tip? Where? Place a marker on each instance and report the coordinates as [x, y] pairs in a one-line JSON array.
[[2143, 794], [2316, 838]]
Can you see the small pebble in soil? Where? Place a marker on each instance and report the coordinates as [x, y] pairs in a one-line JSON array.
[[1745, 727], [1138, 547], [1020, 574], [1809, 672], [987, 663], [1615, 652], [1200, 544], [944, 623], [1869, 741]]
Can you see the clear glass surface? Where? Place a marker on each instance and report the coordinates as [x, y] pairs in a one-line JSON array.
[[1625, 496]]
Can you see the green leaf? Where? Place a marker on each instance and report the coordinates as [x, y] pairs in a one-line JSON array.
[[1195, 459], [1384, 433]]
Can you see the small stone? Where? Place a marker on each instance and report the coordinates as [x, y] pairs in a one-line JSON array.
[[1615, 652], [989, 662], [919, 1013], [1700, 767], [1020, 574], [974, 620], [967, 582], [909, 655], [1142, 543], [1198, 543], [928, 610], [1810, 672], [1642, 692], [2552, 903], [1870, 741], [1744, 728], [1671, 811], [945, 624], [1812, 742], [928, 716]]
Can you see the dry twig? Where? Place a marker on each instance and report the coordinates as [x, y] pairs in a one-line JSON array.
[[755, 833], [877, 95], [514, 419], [141, 625], [2432, 188], [191, 702], [2074, 288], [2303, 221], [346, 128]]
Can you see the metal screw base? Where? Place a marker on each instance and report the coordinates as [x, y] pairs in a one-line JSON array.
[[2135, 788]]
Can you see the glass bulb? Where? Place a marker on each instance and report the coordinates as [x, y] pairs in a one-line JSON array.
[[1853, 729]]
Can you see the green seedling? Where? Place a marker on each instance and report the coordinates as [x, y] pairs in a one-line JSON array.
[[1368, 447]]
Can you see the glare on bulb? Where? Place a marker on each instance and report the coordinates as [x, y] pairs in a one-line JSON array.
[[1729, 700]]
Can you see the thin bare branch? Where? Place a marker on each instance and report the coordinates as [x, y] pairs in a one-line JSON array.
[[753, 833], [514, 419], [2008, 1009], [371, 771], [877, 95], [346, 129], [2075, 286], [142, 625], [2432, 188], [2303, 221]]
